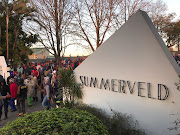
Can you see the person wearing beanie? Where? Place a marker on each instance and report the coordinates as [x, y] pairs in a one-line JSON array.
[[13, 90]]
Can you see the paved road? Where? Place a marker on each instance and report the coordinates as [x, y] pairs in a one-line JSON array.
[[36, 106]]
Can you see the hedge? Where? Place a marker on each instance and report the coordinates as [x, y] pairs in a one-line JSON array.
[[60, 121], [117, 123]]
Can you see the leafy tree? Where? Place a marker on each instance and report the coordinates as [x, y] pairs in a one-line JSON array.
[[128, 7], [160, 18], [72, 91], [173, 34], [94, 19], [53, 18], [19, 41], [97, 19]]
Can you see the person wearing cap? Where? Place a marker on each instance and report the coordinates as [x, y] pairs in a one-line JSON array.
[[15, 72], [47, 93], [13, 90], [36, 73]]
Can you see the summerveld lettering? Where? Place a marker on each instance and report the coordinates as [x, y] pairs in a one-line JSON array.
[[123, 86]]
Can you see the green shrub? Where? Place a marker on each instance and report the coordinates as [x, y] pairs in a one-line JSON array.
[[72, 91], [117, 124], [56, 122]]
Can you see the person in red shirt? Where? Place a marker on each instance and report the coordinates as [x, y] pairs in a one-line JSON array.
[[15, 72], [35, 72], [13, 90]]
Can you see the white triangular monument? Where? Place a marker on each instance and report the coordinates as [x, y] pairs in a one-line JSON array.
[[3, 68], [133, 72]]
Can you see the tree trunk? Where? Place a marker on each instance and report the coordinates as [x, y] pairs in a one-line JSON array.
[[7, 45], [58, 60], [16, 35], [57, 32], [0, 35]]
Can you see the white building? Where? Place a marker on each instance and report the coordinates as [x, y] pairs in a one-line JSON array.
[[39, 53]]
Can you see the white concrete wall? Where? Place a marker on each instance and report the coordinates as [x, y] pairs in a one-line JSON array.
[[3, 68], [148, 61]]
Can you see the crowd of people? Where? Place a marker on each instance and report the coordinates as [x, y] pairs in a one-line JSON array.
[[27, 80], [177, 58]]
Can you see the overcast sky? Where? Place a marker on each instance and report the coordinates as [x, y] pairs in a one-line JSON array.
[[173, 6]]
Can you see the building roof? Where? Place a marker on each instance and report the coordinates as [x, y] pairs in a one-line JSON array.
[[37, 50]]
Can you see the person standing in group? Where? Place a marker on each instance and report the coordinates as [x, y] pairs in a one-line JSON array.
[[46, 72], [36, 73], [26, 70], [1, 105], [47, 93], [1, 78], [53, 79], [4, 91], [13, 90], [20, 69], [36, 86], [1, 102], [30, 89], [21, 96], [39, 68], [42, 87], [76, 63]]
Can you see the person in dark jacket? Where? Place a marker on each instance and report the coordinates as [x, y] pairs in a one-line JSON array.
[[1, 78], [21, 96], [4, 91], [76, 63]]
